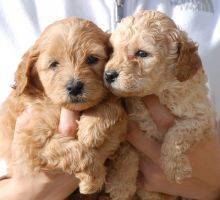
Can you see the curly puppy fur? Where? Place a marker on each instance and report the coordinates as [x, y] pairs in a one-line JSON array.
[[64, 68], [153, 56]]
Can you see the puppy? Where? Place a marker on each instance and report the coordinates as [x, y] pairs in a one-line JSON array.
[[64, 68], [153, 56]]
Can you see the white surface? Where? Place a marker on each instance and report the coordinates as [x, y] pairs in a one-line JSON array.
[[3, 168], [21, 22]]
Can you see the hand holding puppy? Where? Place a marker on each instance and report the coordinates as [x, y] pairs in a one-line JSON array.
[[43, 185], [205, 159]]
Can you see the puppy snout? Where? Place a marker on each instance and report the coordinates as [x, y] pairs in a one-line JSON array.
[[74, 88], [111, 76]]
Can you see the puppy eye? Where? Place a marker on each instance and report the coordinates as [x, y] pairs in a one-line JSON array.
[[142, 54], [91, 60], [54, 64]]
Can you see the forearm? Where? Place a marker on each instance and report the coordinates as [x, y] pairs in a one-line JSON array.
[[6, 190], [58, 189]]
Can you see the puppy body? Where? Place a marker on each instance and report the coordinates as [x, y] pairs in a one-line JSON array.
[[64, 69], [152, 56]]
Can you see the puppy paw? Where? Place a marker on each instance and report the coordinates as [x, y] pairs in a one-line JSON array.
[[178, 168], [91, 182], [90, 185], [120, 191]]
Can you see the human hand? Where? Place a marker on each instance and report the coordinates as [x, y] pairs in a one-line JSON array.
[[204, 158], [41, 185]]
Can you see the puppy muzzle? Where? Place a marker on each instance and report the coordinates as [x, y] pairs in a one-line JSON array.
[[110, 76]]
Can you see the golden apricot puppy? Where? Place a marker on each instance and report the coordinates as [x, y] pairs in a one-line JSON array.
[[64, 68], [153, 56]]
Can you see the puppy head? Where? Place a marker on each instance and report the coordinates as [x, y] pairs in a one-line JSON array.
[[66, 64], [147, 48]]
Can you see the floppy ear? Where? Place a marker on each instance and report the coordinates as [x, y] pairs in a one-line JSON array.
[[188, 60], [26, 75]]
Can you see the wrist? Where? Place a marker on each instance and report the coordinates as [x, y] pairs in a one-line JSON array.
[[28, 188], [4, 189], [21, 190], [10, 191]]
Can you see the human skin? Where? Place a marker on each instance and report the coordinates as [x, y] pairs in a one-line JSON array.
[[204, 157], [46, 186]]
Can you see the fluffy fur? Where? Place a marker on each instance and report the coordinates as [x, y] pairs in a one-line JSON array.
[[170, 69], [63, 54]]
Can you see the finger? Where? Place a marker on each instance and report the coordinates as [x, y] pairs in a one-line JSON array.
[[154, 180], [150, 175], [68, 122], [147, 146], [206, 151], [146, 165], [159, 113]]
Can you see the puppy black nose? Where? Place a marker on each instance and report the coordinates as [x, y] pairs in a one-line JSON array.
[[74, 89], [110, 76]]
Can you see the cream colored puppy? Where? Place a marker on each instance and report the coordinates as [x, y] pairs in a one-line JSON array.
[[153, 56]]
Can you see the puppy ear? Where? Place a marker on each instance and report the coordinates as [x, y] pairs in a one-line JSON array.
[[25, 73], [188, 60], [109, 48]]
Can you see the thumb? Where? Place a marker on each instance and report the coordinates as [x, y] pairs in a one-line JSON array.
[[68, 125]]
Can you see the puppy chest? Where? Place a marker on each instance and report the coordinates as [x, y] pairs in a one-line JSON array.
[[139, 113]]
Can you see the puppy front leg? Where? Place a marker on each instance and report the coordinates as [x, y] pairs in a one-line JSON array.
[[179, 139], [45, 149], [122, 176], [75, 158], [66, 154], [70, 156], [99, 123], [101, 128]]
